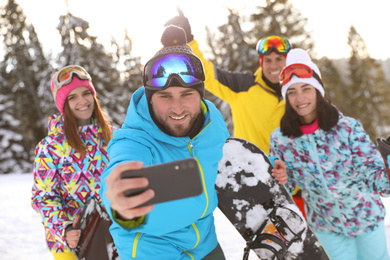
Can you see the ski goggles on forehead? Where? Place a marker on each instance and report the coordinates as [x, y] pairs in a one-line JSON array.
[[272, 43], [65, 75], [159, 71], [299, 70]]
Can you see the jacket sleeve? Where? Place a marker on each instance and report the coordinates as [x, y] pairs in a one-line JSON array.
[[120, 151], [46, 198], [222, 83], [275, 151], [368, 160]]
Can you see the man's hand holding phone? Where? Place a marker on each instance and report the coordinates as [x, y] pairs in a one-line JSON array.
[[128, 207]]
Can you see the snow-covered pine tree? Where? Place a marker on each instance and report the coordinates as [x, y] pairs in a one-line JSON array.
[[368, 94], [130, 69], [24, 71]]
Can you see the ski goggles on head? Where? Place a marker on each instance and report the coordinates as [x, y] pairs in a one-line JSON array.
[[159, 71], [65, 75], [299, 70], [272, 43]]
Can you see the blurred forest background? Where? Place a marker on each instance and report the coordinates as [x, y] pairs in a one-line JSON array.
[[357, 85]]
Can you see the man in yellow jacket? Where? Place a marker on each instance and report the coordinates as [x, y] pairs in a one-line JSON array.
[[255, 100]]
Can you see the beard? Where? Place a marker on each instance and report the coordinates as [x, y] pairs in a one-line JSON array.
[[191, 129], [179, 130]]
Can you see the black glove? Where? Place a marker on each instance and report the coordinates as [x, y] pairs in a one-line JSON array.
[[182, 22], [384, 147]]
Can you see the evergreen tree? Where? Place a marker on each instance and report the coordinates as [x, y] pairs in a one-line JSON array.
[[23, 71], [280, 17], [131, 72], [334, 83], [13, 156], [231, 49], [235, 49], [367, 96]]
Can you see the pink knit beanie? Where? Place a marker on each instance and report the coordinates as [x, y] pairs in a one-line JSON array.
[[61, 94]]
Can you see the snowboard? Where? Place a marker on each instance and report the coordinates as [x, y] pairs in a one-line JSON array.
[[261, 209], [95, 241]]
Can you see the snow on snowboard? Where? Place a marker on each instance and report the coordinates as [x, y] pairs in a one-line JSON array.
[[262, 210], [95, 241]]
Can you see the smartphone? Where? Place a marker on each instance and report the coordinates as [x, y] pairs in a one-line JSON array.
[[170, 181]]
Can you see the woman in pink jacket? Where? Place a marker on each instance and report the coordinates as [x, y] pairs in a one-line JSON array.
[[70, 159]]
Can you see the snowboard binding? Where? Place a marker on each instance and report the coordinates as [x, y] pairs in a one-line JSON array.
[[272, 240]]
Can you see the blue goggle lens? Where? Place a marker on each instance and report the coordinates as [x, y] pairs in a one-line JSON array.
[[159, 70]]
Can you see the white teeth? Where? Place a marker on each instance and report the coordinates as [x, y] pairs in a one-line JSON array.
[[275, 73], [83, 108], [177, 117], [302, 106]]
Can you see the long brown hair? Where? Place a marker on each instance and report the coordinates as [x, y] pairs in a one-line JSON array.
[[328, 116], [71, 128]]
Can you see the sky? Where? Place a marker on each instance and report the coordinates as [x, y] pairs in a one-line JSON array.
[[22, 235], [329, 21]]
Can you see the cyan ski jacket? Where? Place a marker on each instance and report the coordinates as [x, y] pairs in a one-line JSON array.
[[64, 180], [180, 229], [256, 108], [341, 175]]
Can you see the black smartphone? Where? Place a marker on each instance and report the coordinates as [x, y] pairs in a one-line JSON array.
[[170, 181]]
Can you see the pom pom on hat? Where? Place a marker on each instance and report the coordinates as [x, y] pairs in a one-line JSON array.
[[300, 56], [173, 35], [174, 40], [62, 93]]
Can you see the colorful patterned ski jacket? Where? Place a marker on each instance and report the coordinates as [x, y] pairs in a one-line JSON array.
[[256, 108], [64, 181], [341, 175], [179, 229]]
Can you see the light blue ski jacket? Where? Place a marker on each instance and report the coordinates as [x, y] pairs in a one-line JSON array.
[[341, 175], [181, 229]]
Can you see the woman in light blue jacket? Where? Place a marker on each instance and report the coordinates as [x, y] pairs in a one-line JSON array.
[[334, 162]]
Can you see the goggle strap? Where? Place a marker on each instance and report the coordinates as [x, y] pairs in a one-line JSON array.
[[315, 75], [171, 79]]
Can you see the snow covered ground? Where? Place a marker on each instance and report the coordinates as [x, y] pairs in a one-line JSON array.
[[22, 235]]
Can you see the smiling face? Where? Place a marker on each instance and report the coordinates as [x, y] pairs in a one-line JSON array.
[[303, 99], [273, 64], [81, 104], [176, 109]]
